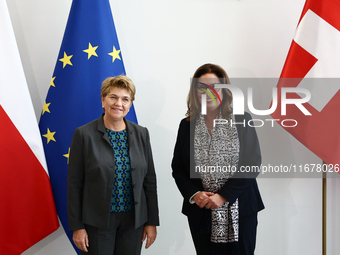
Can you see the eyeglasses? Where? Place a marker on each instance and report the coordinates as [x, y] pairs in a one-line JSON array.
[[125, 100], [201, 87]]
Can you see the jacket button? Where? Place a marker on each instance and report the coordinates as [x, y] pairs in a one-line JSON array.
[[132, 168], [136, 203]]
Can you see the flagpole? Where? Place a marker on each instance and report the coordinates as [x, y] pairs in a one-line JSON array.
[[324, 210]]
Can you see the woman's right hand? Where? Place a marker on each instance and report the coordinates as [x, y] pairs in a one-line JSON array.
[[81, 239], [200, 198]]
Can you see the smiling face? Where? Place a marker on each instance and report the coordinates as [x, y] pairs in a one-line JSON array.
[[210, 79], [116, 104]]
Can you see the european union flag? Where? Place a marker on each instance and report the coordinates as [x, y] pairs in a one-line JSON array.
[[89, 53]]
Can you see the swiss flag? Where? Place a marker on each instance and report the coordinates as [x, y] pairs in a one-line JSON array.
[[27, 212], [314, 63]]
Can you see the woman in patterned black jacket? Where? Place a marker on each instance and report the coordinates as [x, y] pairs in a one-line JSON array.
[[220, 200]]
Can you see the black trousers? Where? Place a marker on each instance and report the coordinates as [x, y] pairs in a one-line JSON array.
[[247, 235], [120, 239]]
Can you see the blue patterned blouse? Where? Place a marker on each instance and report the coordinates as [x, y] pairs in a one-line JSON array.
[[122, 193]]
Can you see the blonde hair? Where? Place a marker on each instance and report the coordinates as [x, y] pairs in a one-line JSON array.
[[120, 81]]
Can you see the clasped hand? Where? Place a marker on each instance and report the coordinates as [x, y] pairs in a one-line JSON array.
[[209, 200]]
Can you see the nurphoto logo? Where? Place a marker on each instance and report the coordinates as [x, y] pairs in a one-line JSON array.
[[239, 104]]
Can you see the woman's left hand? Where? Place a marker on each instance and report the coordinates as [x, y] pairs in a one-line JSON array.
[[215, 201], [150, 233]]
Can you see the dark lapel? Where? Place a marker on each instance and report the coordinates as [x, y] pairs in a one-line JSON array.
[[131, 131], [101, 128]]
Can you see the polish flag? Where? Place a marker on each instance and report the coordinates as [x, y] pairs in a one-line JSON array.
[[27, 212], [313, 62]]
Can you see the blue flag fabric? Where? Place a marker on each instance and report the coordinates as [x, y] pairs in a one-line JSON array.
[[89, 53]]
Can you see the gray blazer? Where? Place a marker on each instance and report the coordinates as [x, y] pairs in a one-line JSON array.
[[91, 176]]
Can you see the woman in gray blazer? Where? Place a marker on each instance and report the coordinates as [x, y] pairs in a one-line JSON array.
[[112, 193]]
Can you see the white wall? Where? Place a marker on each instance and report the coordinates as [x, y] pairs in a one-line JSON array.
[[162, 43]]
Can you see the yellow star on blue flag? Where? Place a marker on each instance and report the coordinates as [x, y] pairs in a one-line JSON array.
[[66, 60], [89, 53], [114, 54]]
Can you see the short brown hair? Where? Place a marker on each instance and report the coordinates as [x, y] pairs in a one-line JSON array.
[[194, 106], [120, 81]]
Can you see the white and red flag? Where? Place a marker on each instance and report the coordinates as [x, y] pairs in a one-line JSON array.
[[314, 63], [27, 210]]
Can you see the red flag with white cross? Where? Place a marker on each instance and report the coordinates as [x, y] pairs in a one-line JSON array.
[[314, 63]]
